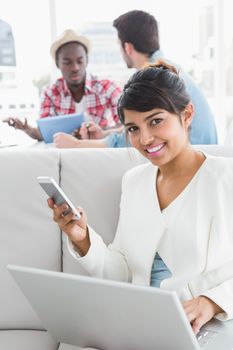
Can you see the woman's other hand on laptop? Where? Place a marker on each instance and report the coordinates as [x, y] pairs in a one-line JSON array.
[[199, 311], [76, 230]]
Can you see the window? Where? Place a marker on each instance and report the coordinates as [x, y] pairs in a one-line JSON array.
[[196, 34]]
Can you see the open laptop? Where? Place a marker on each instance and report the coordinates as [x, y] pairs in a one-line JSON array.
[[109, 315], [63, 123]]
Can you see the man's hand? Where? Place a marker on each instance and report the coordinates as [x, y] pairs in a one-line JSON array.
[[199, 311], [89, 130], [17, 123], [63, 140]]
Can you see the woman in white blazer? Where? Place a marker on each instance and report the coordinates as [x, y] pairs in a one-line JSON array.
[[175, 229]]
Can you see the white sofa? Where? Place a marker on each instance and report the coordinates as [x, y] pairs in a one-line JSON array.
[[28, 236]]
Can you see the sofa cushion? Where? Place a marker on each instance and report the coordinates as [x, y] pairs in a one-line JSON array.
[[28, 235], [26, 340]]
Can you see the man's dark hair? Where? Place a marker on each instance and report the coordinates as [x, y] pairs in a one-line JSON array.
[[140, 29]]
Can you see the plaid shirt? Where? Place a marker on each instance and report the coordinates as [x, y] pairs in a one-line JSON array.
[[101, 100]]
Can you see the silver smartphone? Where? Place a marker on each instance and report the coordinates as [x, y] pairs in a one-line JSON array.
[[55, 192]]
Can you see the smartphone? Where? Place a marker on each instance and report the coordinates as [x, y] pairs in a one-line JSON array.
[[55, 192]]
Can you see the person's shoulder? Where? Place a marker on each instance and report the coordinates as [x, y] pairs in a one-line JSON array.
[[220, 167], [158, 54], [139, 172], [181, 72], [195, 92], [219, 176]]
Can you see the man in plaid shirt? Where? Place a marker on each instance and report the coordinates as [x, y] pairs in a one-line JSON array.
[[76, 91], [101, 96]]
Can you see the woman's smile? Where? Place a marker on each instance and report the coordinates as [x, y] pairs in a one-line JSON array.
[[154, 150]]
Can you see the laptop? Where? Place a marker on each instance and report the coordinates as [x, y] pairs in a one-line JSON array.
[[108, 315], [63, 123]]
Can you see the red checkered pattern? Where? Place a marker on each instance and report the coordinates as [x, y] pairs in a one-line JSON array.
[[101, 100]]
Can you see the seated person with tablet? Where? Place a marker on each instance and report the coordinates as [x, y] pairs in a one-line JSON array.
[[76, 91]]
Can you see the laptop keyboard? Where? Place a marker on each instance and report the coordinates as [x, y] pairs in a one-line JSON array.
[[204, 336]]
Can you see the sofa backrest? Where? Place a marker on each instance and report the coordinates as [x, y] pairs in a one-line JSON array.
[[28, 236]]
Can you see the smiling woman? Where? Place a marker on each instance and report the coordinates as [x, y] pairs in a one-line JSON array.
[[161, 116], [157, 113], [171, 207]]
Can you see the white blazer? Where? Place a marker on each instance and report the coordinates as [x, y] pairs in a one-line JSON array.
[[198, 250]]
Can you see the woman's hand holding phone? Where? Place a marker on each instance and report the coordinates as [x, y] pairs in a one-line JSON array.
[[76, 230]]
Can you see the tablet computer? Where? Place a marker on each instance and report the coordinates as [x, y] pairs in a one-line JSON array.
[[59, 123]]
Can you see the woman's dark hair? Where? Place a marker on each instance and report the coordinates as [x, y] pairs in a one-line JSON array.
[[156, 85]]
